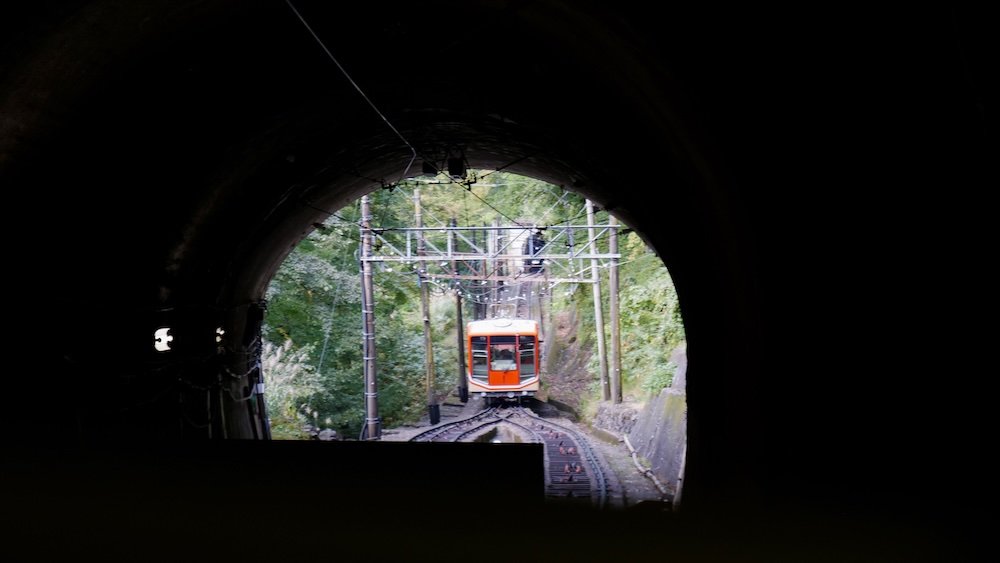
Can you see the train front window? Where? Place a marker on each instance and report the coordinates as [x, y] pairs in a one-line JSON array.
[[526, 345], [480, 370], [502, 353]]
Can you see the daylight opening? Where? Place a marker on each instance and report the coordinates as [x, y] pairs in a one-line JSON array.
[[494, 305]]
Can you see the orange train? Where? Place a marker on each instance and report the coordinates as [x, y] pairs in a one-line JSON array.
[[503, 358]]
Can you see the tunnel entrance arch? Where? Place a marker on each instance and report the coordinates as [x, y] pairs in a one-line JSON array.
[[240, 144]]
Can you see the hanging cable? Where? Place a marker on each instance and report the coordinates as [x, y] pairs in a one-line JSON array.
[[356, 87], [330, 213], [509, 164], [488, 204]]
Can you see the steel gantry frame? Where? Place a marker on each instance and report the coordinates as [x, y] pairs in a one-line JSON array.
[[399, 245]]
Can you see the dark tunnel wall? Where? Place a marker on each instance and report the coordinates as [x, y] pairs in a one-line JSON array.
[[165, 157]]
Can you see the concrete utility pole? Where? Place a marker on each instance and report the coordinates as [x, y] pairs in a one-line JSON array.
[[368, 312], [598, 313], [463, 385], [433, 409], [501, 270], [479, 307], [548, 326], [491, 265], [616, 344]]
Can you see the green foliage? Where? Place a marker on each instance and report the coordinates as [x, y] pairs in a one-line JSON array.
[[314, 307], [289, 381], [661, 376], [651, 322], [649, 315]]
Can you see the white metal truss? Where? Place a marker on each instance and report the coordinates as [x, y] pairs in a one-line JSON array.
[[455, 253]]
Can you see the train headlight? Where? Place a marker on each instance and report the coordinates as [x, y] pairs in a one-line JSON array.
[[510, 394]]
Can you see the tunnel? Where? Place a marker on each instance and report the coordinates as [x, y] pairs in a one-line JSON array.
[[161, 159]]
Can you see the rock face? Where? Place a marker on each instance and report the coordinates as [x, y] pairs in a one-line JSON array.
[[565, 359], [619, 419], [660, 432]]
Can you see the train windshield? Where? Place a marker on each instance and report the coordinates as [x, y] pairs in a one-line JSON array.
[[502, 353], [526, 345]]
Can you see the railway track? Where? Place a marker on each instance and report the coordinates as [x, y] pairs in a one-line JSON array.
[[572, 470], [456, 430]]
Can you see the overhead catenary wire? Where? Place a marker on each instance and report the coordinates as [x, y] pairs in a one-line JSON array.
[[467, 186], [327, 212], [508, 165], [357, 87], [490, 205], [507, 203]]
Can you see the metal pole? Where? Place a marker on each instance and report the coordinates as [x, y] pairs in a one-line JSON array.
[[548, 326], [481, 238], [368, 311], [501, 287], [463, 385], [433, 409], [598, 313], [616, 345], [491, 248]]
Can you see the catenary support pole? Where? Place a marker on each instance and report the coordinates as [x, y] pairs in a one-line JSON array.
[[616, 344], [463, 385], [372, 426], [433, 409], [598, 313]]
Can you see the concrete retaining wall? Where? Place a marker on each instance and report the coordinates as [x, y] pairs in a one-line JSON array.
[[660, 433]]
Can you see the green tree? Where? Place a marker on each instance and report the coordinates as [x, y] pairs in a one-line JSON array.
[[314, 301]]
